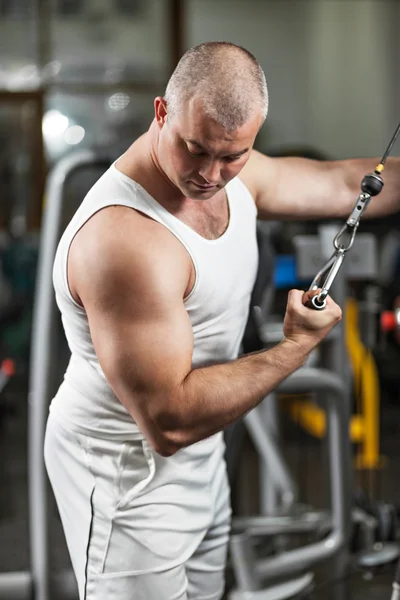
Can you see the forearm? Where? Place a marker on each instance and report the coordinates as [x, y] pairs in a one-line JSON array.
[[213, 397]]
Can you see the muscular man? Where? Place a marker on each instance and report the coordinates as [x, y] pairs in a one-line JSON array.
[[153, 278]]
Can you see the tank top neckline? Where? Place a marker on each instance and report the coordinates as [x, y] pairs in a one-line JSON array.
[[163, 211]]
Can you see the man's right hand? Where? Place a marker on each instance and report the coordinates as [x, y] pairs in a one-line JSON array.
[[305, 326]]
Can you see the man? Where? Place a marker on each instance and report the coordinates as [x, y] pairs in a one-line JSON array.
[[153, 278]]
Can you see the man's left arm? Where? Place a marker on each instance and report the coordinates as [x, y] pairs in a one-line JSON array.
[[299, 188]]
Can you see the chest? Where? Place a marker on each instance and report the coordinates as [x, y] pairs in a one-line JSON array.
[[224, 276], [209, 219]]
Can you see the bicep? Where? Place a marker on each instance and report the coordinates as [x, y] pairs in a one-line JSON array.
[[144, 351], [132, 288]]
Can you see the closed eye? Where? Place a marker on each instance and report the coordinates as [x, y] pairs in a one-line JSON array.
[[230, 159], [196, 153]]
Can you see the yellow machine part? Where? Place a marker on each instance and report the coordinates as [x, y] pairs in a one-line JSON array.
[[364, 426]]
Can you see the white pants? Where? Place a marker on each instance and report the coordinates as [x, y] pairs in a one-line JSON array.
[[139, 526]]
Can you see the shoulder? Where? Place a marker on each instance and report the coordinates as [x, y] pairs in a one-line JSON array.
[[121, 249], [258, 174]]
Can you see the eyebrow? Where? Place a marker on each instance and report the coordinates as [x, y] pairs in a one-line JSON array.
[[232, 154]]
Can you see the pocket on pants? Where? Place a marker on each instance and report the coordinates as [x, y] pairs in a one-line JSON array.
[[168, 585], [122, 471], [137, 471]]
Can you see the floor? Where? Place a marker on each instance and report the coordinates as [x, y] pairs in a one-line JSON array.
[[304, 457]]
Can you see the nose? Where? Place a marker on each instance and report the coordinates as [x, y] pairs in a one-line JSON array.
[[210, 171]]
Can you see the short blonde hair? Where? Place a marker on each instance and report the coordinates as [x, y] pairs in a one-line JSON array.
[[227, 79]]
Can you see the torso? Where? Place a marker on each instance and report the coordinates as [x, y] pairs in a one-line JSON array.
[[209, 219], [217, 308]]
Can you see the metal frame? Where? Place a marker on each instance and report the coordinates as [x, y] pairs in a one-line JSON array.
[[252, 573], [278, 490], [38, 582]]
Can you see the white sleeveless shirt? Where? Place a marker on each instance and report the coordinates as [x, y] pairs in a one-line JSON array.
[[225, 272]]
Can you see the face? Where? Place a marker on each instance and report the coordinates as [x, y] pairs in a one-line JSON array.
[[198, 155]]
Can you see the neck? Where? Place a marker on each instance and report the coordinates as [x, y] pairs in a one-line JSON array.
[[161, 179]]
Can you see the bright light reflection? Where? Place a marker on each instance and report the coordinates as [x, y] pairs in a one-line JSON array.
[[119, 101], [54, 124], [74, 135]]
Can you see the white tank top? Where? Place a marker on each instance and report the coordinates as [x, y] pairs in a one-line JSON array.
[[225, 272]]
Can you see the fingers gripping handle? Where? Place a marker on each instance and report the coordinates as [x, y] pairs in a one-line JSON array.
[[316, 303], [315, 298]]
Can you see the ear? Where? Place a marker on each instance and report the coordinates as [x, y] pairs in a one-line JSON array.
[[160, 110]]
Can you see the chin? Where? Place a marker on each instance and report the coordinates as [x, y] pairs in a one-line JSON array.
[[203, 192], [203, 195]]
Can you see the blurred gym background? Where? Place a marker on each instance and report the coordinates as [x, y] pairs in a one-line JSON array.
[[82, 74]]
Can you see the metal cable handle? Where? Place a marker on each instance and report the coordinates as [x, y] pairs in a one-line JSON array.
[[371, 185]]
